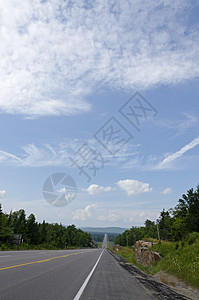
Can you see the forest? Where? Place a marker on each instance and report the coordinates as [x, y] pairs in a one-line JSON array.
[[174, 224], [39, 235]]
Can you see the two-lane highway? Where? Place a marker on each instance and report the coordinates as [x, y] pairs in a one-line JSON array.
[[66, 274], [44, 274]]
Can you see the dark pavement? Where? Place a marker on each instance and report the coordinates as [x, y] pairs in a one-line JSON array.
[[60, 275], [111, 281], [59, 278]]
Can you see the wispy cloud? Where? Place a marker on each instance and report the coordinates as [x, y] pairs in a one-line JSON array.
[[6, 157], [167, 191], [2, 194], [55, 53], [34, 156], [166, 163], [189, 120]]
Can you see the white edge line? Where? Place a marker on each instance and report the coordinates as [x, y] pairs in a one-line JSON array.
[[5, 256], [87, 279]]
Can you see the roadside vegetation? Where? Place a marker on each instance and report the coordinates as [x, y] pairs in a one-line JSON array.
[[128, 253], [178, 230], [180, 259], [39, 235]]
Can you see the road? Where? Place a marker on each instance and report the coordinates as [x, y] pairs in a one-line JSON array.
[[64, 274]]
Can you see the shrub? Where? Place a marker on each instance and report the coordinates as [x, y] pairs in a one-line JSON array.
[[192, 238]]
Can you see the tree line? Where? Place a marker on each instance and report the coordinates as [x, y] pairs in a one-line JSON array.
[[99, 236], [50, 236], [172, 225]]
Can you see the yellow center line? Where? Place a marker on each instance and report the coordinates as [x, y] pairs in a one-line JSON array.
[[41, 261]]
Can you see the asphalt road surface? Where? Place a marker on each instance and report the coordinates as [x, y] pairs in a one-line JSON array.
[[66, 274]]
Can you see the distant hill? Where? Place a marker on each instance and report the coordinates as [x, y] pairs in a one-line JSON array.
[[117, 230]]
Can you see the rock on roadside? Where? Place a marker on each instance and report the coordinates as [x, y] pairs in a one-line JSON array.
[[144, 255]]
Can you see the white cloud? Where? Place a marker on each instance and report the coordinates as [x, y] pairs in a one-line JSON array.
[[134, 187], [2, 193], [167, 191], [166, 163], [84, 214], [127, 216], [54, 53], [94, 189], [138, 217], [62, 216], [110, 216]]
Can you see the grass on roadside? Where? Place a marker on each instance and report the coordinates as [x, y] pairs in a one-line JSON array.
[[178, 258], [110, 245], [128, 253]]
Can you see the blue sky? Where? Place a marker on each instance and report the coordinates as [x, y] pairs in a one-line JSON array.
[[66, 68]]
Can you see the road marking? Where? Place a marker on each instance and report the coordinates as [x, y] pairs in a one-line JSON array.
[[5, 256], [87, 279], [44, 260]]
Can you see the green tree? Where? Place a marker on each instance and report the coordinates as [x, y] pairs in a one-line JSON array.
[[150, 229], [32, 230], [43, 233], [165, 222], [5, 230], [186, 214]]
